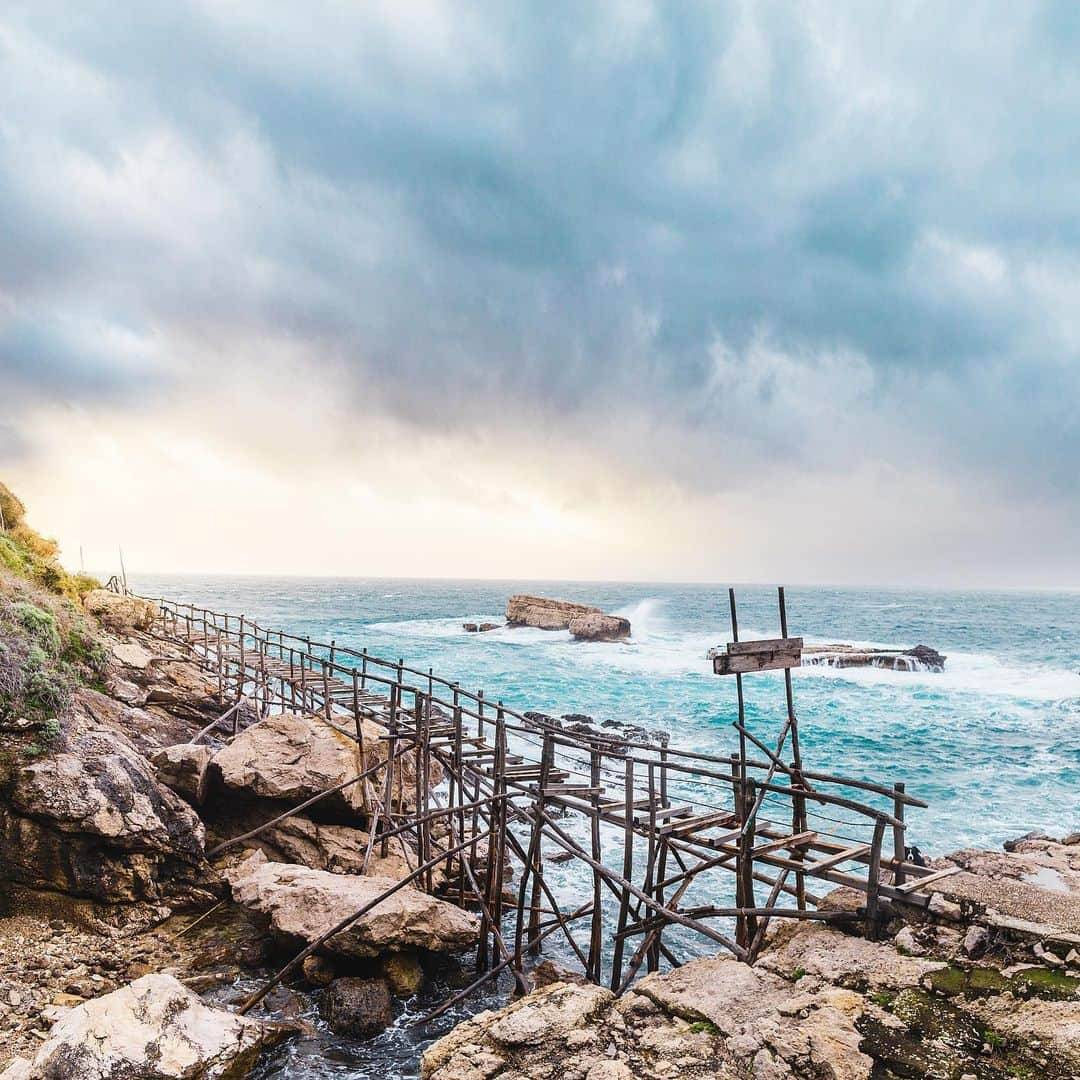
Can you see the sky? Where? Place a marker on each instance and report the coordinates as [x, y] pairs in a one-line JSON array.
[[651, 291]]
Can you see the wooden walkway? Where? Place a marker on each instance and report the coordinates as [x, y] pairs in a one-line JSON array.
[[516, 796]]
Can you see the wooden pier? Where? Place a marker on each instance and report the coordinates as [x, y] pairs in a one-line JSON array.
[[673, 844]]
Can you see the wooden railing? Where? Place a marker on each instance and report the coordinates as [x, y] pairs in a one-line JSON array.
[[508, 781]]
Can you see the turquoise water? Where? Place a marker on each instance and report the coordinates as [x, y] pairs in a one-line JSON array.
[[993, 743]]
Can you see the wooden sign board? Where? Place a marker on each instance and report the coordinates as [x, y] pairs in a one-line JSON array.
[[746, 657]]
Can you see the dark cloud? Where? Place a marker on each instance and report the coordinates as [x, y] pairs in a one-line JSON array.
[[751, 231]]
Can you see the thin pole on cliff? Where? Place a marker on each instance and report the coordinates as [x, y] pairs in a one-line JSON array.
[[123, 572]]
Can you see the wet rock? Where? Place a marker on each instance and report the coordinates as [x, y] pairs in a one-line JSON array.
[[183, 769], [300, 904], [549, 971], [318, 970], [121, 613], [358, 1008], [1020, 841], [595, 626], [920, 658], [404, 973], [154, 1029]]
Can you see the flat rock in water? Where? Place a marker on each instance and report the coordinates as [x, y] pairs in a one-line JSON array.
[[301, 904], [544, 614], [153, 1029], [596, 626], [921, 658]]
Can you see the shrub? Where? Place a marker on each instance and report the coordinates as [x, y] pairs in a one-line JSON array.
[[48, 691], [12, 556], [41, 624], [38, 545]]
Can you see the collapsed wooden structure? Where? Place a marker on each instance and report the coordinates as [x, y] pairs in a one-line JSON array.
[[675, 846]]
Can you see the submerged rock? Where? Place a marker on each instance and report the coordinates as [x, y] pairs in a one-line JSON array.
[[358, 1008], [301, 904], [153, 1029], [403, 972], [598, 627]]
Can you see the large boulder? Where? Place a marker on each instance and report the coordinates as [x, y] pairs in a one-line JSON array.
[[544, 614], [596, 626], [120, 613], [153, 1029], [288, 757], [358, 1008], [91, 820], [292, 757], [301, 904]]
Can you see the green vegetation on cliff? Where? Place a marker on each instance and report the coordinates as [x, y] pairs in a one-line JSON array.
[[47, 645]]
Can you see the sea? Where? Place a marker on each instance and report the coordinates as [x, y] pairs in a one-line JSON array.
[[992, 743]]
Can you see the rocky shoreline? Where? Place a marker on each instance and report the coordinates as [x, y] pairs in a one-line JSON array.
[[984, 983], [965, 989], [131, 929]]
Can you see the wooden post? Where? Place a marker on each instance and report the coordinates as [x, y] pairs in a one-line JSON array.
[[792, 718], [899, 842], [628, 871], [356, 708], [391, 753], [873, 881], [241, 671], [597, 918], [738, 686], [661, 872], [536, 854], [798, 825], [500, 813], [746, 860]]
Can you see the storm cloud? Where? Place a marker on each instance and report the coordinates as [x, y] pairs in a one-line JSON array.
[[712, 243]]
